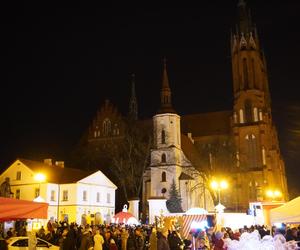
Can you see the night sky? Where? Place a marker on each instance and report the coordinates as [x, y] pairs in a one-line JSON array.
[[60, 63]]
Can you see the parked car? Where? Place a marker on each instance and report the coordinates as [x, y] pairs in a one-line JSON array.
[[21, 243]]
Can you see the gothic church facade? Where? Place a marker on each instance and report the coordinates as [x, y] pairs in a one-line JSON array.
[[240, 145]]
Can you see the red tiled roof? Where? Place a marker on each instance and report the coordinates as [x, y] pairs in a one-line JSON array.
[[213, 123]]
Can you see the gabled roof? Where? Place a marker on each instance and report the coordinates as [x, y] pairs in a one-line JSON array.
[[191, 152], [185, 177], [205, 124], [56, 174]]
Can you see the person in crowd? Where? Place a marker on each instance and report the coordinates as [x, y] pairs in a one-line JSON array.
[[218, 241], [98, 240], [85, 243], [175, 241], [138, 239], [162, 242]]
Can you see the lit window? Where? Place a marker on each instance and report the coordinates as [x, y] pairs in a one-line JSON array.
[[95, 133], [264, 156], [255, 114], [18, 177], [260, 115], [84, 196], [241, 116], [106, 126], [65, 195], [52, 196], [98, 197], [18, 193], [108, 198]]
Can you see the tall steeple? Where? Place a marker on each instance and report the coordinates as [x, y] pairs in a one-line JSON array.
[[133, 107], [165, 93], [244, 18]]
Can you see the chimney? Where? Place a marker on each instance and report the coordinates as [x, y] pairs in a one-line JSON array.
[[60, 164], [48, 161]]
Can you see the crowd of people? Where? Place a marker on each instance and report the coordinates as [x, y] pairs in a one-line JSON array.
[[144, 237]]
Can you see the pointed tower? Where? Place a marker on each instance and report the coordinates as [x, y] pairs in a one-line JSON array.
[[133, 106], [165, 93], [166, 155], [258, 152]]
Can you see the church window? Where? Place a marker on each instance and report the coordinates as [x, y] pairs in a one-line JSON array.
[[252, 150], [106, 126], [98, 134], [248, 111], [163, 137], [255, 114], [263, 155], [234, 117], [163, 177], [253, 73], [237, 158], [245, 72], [163, 158], [95, 134], [241, 116], [260, 115]]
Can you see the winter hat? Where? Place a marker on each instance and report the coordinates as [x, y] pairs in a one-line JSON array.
[[219, 235]]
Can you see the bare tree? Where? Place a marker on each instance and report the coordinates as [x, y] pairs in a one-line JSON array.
[[129, 157]]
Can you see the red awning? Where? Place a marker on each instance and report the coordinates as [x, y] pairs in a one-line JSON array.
[[14, 209]]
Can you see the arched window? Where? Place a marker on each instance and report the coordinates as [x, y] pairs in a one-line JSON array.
[[252, 151], [260, 115], [234, 117], [255, 114], [106, 126], [95, 133], [241, 116], [245, 72], [163, 137], [248, 111], [163, 158], [263, 155], [163, 177], [253, 73]]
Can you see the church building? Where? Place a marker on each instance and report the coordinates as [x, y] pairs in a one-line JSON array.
[[240, 145]]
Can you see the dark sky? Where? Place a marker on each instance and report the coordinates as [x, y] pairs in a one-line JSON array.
[[59, 64]]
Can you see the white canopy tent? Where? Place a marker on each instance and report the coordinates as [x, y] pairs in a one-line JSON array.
[[287, 213]]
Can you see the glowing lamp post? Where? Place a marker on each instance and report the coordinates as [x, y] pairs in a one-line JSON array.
[[39, 177], [274, 194], [219, 186]]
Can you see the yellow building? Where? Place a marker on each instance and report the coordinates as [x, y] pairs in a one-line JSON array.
[[72, 194]]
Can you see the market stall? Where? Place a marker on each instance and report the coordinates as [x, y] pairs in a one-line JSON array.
[[287, 213], [14, 209]]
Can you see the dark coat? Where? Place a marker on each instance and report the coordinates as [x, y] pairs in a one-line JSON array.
[[162, 244]]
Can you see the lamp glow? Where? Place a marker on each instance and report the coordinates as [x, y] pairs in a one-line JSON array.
[[214, 185], [224, 184], [40, 177]]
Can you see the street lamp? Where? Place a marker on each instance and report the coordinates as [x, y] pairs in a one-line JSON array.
[[219, 185], [40, 177], [273, 194]]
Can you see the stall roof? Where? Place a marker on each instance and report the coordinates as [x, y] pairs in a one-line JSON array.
[[287, 213], [14, 209]]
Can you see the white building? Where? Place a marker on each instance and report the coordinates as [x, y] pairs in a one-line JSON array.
[[170, 162], [71, 193]]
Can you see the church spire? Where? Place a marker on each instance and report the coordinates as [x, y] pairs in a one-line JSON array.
[[244, 18], [165, 93], [133, 107]]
